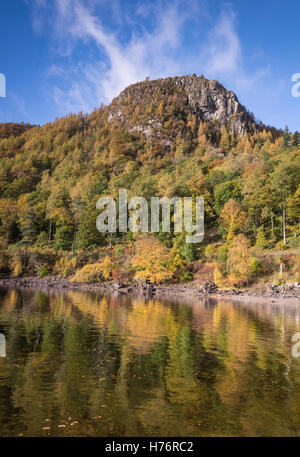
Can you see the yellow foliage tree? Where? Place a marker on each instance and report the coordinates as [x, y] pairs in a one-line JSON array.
[[7, 215], [106, 267], [225, 139], [150, 260], [95, 272], [238, 261], [233, 219]]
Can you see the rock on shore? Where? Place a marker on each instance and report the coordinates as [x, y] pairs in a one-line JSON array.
[[290, 291]]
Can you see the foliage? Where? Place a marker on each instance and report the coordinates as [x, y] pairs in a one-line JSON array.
[[43, 271], [52, 176], [238, 261], [92, 272], [150, 260], [233, 219]]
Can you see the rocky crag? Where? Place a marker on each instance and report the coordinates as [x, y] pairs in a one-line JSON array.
[[207, 99]]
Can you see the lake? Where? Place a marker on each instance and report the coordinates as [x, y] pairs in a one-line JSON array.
[[83, 364]]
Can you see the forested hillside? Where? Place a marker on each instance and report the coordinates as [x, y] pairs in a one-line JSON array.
[[158, 138]]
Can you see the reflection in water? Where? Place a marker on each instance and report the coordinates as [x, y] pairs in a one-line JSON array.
[[81, 364]]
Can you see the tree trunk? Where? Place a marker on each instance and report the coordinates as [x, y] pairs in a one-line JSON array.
[[74, 243], [283, 222]]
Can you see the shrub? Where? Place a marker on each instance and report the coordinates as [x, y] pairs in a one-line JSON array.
[[238, 261], [66, 266], [4, 263], [43, 271], [119, 252], [254, 267], [185, 276], [223, 254], [106, 267], [150, 260], [17, 266], [95, 272], [218, 277], [294, 242], [91, 272], [121, 275], [42, 239], [210, 252]]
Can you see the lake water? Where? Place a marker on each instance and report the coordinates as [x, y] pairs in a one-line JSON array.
[[82, 364]]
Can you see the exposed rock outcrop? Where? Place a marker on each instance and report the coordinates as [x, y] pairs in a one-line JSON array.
[[207, 99]]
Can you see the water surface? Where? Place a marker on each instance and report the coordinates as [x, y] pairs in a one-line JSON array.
[[82, 364]]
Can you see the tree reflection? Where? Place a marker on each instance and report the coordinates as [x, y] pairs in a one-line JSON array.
[[82, 364]]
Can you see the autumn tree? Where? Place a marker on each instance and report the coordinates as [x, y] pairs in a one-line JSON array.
[[238, 261], [285, 180], [233, 219], [150, 260], [225, 139], [7, 216], [261, 240]]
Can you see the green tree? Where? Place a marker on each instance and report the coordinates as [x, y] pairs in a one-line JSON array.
[[261, 240]]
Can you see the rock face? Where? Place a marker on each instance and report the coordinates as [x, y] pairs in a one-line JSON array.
[[207, 99]]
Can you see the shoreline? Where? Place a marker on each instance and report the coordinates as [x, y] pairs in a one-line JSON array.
[[189, 290]]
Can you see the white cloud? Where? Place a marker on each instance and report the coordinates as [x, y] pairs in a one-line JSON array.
[[223, 57], [38, 12], [146, 53], [154, 47], [222, 52]]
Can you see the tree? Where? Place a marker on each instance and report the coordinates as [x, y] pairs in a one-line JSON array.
[[258, 197], [238, 261], [224, 191], [87, 234], [225, 139], [233, 219], [293, 205], [285, 180], [261, 240], [204, 135], [59, 210], [296, 139], [286, 138], [29, 228], [150, 260], [7, 217], [293, 211]]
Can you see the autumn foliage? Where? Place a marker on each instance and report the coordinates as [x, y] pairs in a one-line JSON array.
[[52, 176]]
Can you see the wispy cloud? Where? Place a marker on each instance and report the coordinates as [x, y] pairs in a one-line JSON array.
[[146, 53], [39, 8], [222, 52], [153, 46], [223, 55]]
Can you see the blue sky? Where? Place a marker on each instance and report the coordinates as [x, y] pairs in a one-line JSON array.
[[62, 56]]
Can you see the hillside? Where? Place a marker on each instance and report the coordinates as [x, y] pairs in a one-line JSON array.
[[175, 136]]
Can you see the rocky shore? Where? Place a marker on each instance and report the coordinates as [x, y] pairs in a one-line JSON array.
[[288, 292]]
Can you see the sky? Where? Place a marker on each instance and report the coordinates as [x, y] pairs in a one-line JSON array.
[[63, 56]]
